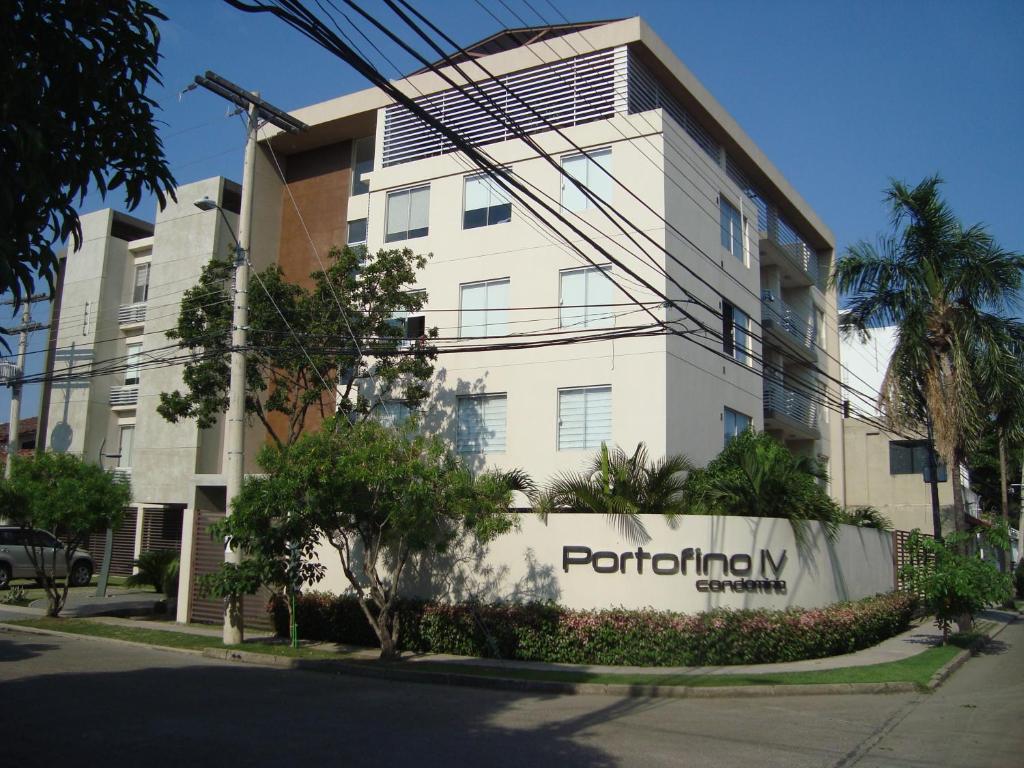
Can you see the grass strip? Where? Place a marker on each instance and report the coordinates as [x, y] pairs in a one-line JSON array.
[[917, 669]]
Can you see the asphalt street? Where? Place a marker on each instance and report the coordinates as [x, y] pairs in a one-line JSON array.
[[87, 703]]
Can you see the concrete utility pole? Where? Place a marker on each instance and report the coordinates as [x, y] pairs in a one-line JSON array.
[[15, 376], [234, 437]]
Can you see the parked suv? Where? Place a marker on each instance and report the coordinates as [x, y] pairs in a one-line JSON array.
[[16, 563]]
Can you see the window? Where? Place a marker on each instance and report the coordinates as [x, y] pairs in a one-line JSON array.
[[133, 352], [411, 325], [593, 172], [362, 163], [407, 214], [735, 423], [485, 203], [585, 297], [483, 309], [736, 334], [125, 445], [392, 413], [584, 417], [732, 228], [141, 291], [356, 232], [481, 423], [910, 457]]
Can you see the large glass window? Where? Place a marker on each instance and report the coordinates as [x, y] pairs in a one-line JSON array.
[[133, 353], [481, 423], [140, 293], [392, 413], [593, 172], [408, 214], [910, 457], [735, 424], [485, 203], [585, 298], [126, 442], [483, 309], [732, 228], [736, 340], [410, 325], [356, 232], [362, 164], [584, 417]]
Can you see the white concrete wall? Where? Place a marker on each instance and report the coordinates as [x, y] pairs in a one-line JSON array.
[[528, 565]]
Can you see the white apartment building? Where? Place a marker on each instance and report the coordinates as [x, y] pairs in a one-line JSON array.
[[704, 209]]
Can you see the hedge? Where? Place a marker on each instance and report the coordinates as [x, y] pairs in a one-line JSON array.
[[548, 632]]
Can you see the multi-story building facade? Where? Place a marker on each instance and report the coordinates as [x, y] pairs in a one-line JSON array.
[[118, 294], [706, 221]]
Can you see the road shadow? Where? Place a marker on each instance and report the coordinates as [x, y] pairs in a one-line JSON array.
[[19, 651], [188, 715]]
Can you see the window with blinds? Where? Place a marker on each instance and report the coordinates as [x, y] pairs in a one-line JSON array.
[[126, 443], [392, 413], [483, 309], [585, 297], [481, 423], [485, 203], [584, 417], [133, 353], [592, 171], [408, 214], [732, 228], [141, 290]]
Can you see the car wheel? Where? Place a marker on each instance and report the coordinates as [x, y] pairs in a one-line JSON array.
[[5, 576], [81, 574]]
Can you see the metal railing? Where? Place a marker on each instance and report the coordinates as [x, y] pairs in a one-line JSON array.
[[781, 400], [131, 314], [122, 474], [778, 230], [789, 320], [121, 396]]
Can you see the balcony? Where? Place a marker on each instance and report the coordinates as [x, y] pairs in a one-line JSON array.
[[788, 328], [790, 412], [780, 245], [121, 474], [131, 314], [124, 397]]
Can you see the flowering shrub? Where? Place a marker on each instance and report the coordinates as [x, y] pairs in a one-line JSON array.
[[548, 632]]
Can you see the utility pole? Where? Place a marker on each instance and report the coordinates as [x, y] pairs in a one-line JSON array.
[[234, 438], [15, 374]]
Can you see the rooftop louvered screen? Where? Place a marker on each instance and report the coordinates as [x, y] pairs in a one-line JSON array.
[[570, 92]]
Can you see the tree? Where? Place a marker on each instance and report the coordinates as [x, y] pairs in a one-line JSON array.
[[302, 346], [75, 117], [948, 290], [622, 487], [60, 493], [953, 583], [756, 475], [381, 495]]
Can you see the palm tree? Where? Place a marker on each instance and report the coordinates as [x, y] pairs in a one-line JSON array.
[[948, 289], [622, 487]]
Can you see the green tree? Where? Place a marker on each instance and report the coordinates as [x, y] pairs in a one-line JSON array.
[[60, 493], [301, 346], [756, 475], [622, 487], [75, 117], [380, 496], [948, 289], [954, 583]]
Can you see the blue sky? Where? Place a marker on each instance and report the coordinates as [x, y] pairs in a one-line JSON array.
[[840, 96]]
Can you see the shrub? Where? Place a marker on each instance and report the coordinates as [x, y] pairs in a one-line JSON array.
[[159, 569], [548, 632]]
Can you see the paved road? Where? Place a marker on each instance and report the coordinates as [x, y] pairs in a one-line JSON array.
[[81, 702]]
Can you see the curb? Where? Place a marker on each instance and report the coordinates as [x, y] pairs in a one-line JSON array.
[[951, 666], [624, 690], [113, 640]]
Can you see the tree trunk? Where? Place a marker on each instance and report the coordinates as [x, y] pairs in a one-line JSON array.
[[386, 635], [1004, 498], [959, 506]]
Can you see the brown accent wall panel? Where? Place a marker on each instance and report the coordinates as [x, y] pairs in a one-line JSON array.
[[207, 556], [161, 528]]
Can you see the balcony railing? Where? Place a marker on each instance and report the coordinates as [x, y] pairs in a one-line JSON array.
[[790, 321], [778, 230], [122, 474], [132, 314], [124, 396], [796, 406]]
